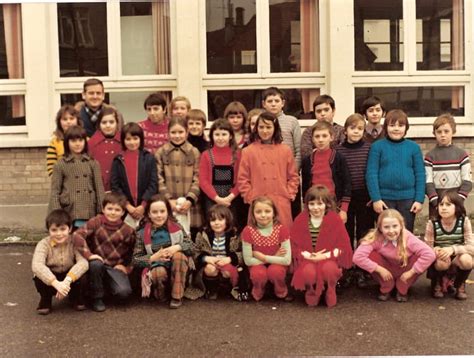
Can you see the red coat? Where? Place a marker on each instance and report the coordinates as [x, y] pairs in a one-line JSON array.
[[269, 169], [104, 150], [332, 235]]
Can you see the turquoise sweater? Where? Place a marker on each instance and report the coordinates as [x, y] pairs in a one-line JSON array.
[[395, 171]]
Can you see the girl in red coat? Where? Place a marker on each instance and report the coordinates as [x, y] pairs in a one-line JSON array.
[[104, 144], [267, 167], [266, 249], [321, 247]]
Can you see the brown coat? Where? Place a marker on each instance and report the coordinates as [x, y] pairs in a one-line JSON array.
[[269, 169], [76, 186], [178, 176]]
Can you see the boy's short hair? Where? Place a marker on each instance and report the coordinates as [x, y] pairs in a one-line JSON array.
[[155, 99], [322, 126], [273, 91], [58, 217], [74, 132], [115, 198], [133, 129], [394, 116], [370, 102], [69, 109], [196, 115], [353, 119], [91, 82], [445, 118], [180, 99], [324, 99]]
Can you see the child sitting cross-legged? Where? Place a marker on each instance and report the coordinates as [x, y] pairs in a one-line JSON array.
[[57, 266]]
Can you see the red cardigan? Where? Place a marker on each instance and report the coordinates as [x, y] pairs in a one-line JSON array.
[[332, 234]]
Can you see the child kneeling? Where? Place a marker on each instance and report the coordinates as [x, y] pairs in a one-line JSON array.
[[57, 267], [218, 252], [107, 242], [161, 252]]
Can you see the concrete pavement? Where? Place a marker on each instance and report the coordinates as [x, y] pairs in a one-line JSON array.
[[358, 325]]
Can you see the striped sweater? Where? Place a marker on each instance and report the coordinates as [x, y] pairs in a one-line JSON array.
[[356, 155], [447, 168], [291, 133], [54, 152]]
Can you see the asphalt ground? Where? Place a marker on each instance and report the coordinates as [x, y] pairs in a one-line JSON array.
[[358, 325]]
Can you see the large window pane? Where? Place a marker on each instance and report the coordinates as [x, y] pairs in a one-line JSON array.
[[129, 104], [378, 27], [145, 30], [440, 34], [11, 45], [231, 36], [12, 111], [298, 101], [294, 35], [417, 101], [82, 39]]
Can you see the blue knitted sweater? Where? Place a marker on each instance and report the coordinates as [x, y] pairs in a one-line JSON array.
[[395, 171]]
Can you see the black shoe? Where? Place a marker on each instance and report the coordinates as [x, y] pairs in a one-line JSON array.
[[98, 305], [44, 306]]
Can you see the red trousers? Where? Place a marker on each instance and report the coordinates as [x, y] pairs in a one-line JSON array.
[[316, 276], [396, 271], [232, 271], [261, 274]]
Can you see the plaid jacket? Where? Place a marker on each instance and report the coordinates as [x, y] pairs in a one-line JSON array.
[[113, 241], [178, 175], [76, 186]]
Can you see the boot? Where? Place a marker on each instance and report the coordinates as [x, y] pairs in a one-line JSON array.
[[460, 283], [212, 285]]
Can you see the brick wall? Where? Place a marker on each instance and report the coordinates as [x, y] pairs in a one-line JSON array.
[[23, 176], [25, 184]]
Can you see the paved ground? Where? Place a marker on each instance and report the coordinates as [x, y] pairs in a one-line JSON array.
[[358, 325]]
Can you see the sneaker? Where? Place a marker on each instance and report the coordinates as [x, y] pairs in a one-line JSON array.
[[79, 307], [461, 292], [211, 295], [383, 296], [98, 305], [401, 298], [174, 304]]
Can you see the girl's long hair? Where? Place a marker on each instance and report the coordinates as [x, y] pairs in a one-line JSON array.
[[320, 193], [218, 211], [156, 198], [264, 200], [222, 124], [376, 234], [67, 108], [267, 117], [75, 132]]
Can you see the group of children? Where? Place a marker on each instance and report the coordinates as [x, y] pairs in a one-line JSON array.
[[185, 214]]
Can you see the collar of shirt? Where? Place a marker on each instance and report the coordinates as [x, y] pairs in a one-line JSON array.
[[386, 242], [370, 127]]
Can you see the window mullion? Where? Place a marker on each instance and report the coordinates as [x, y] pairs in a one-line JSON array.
[[409, 36], [114, 46], [263, 37]]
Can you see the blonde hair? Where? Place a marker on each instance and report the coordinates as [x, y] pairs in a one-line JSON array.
[[262, 200], [376, 234]]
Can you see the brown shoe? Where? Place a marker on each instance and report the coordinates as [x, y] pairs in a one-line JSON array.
[[174, 304], [437, 291], [461, 292]]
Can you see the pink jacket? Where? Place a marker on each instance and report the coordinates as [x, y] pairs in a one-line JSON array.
[[415, 246]]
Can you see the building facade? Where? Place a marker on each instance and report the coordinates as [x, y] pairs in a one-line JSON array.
[[415, 54]]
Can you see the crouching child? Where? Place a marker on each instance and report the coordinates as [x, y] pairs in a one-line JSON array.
[[57, 267], [107, 243]]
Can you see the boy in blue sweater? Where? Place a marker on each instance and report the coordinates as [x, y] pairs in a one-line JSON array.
[[395, 170]]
